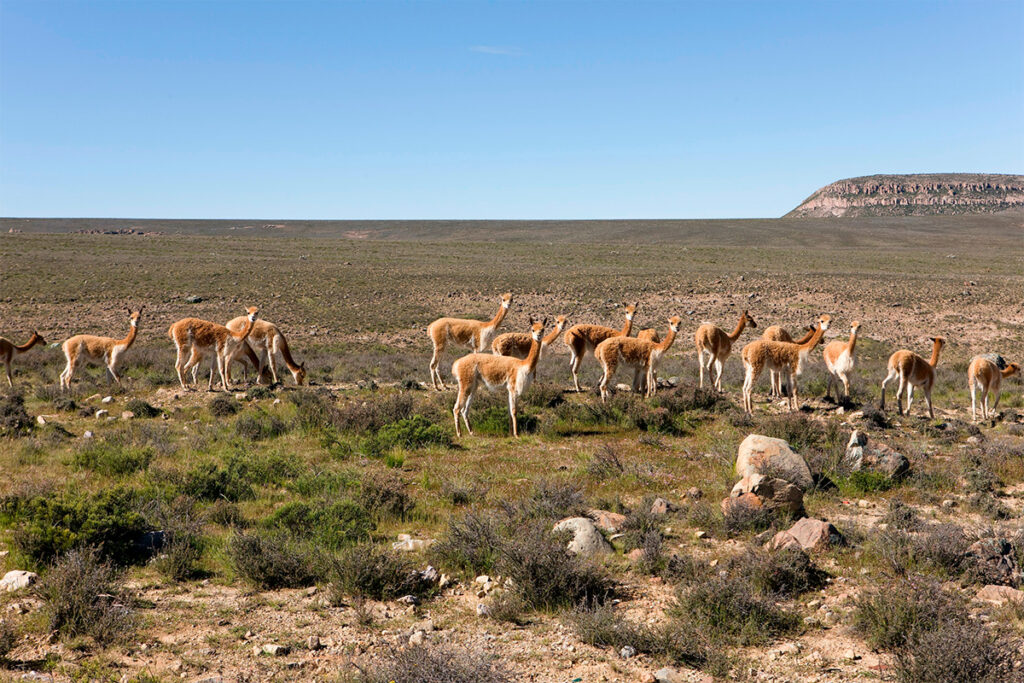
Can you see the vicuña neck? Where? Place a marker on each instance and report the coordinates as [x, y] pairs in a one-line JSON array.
[[813, 341], [628, 327], [499, 316], [806, 338], [128, 340], [533, 355], [667, 341], [853, 341], [1007, 371], [936, 348], [739, 328], [546, 341], [33, 340]]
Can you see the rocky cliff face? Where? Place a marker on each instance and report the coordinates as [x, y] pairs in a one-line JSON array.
[[925, 194]]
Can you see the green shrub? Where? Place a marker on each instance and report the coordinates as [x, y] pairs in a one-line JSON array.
[[601, 626], [83, 596], [313, 413], [49, 526], [223, 406], [64, 404], [275, 560], [140, 408], [801, 432], [14, 421], [259, 425], [549, 500], [369, 416], [958, 651], [495, 421], [182, 526], [258, 392], [864, 482], [785, 573], [372, 571], [8, 639], [111, 459], [331, 524], [639, 523], [225, 513], [231, 481], [414, 432]]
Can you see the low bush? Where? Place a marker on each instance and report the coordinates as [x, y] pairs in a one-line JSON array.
[[889, 617], [111, 459], [605, 463], [275, 560], [783, 573], [460, 491], [495, 421], [259, 392], [259, 426], [313, 412], [639, 523], [545, 575], [730, 611], [225, 513], [372, 571], [369, 416], [862, 482], [799, 431], [14, 420], [83, 596], [182, 527], [223, 406], [507, 608], [601, 626], [958, 651], [64, 404], [50, 526], [470, 545], [410, 433], [741, 519], [384, 495], [8, 639], [434, 665], [231, 481], [140, 408], [549, 500], [901, 516], [331, 524]]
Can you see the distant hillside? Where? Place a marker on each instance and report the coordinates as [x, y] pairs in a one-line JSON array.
[[920, 194]]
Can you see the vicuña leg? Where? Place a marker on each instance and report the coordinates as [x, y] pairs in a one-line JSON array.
[[893, 374], [512, 413]]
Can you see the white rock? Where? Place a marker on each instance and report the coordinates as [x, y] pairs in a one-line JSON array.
[[17, 579], [482, 579], [87, 434], [107, 399], [482, 610], [586, 539], [100, 414], [40, 420], [417, 638], [275, 650]]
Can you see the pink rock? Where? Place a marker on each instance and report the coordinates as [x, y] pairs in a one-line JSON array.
[[1000, 595], [808, 534], [746, 500], [607, 521]]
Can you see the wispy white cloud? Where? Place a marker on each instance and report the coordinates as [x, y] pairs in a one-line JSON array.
[[498, 50]]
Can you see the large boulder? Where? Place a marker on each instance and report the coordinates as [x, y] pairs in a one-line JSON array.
[[876, 457], [773, 493], [807, 534], [586, 539], [17, 579], [771, 457], [1000, 595], [741, 503]]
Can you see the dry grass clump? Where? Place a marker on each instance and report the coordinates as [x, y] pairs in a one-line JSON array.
[[785, 573], [373, 571], [434, 665], [84, 596], [274, 560]]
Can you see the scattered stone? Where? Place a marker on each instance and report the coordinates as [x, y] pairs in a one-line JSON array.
[[482, 579], [107, 399], [774, 494], [482, 610], [409, 600], [627, 652], [88, 434], [444, 581], [94, 397], [864, 503], [193, 299], [127, 415], [1000, 595], [311, 591], [789, 649], [100, 414], [313, 643], [275, 650], [410, 545], [417, 638], [701, 534], [949, 503], [851, 655], [586, 540], [877, 457], [607, 521], [771, 457], [635, 554], [694, 493], [40, 420], [807, 534], [660, 506], [429, 574], [669, 674], [17, 579]]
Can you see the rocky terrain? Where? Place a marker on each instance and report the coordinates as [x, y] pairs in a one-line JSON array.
[[919, 194]]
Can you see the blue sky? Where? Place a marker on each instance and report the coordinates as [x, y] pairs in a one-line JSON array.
[[493, 110]]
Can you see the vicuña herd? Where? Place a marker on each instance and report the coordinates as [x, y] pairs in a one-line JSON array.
[[512, 363]]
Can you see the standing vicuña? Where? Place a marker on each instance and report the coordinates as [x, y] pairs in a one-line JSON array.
[[583, 339], [839, 359], [517, 344], [717, 344], [985, 374], [913, 371], [200, 337], [7, 349], [106, 350], [495, 371], [779, 333], [267, 339], [783, 357], [641, 355], [475, 335]]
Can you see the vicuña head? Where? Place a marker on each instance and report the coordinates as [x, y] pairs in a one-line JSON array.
[[506, 300], [133, 318], [747, 319], [631, 310]]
